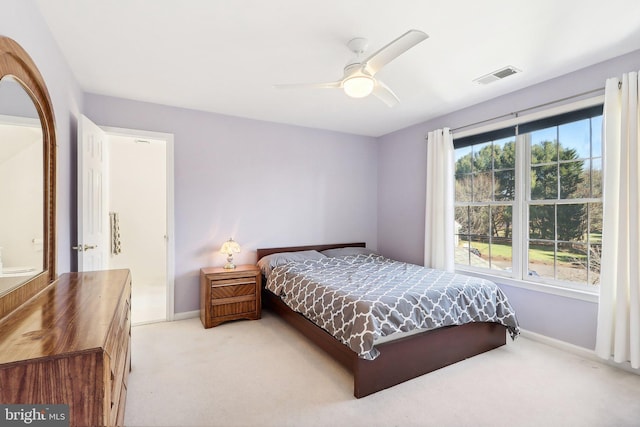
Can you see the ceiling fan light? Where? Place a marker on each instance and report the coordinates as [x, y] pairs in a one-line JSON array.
[[358, 86]]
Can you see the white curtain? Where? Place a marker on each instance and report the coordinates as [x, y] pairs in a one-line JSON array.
[[618, 333], [439, 218]]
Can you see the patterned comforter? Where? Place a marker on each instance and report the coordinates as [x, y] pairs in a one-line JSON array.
[[360, 298]]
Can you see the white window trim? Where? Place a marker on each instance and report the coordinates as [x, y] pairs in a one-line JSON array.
[[566, 289]]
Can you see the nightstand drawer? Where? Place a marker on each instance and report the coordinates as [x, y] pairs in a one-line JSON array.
[[222, 310], [233, 290], [235, 281]]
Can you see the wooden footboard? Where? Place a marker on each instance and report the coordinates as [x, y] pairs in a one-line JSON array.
[[410, 357]]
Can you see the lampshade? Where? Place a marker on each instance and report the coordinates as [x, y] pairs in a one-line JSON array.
[[358, 86], [230, 247]]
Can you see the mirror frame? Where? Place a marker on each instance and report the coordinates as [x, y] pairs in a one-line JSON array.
[[15, 62]]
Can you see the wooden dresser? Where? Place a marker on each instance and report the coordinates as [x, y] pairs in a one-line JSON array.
[[71, 344], [229, 294]]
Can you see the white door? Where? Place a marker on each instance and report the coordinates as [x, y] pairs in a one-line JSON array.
[[93, 218]]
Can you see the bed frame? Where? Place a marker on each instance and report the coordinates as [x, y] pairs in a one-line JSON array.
[[399, 360]]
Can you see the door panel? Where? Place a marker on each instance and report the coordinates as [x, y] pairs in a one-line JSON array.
[[93, 227]]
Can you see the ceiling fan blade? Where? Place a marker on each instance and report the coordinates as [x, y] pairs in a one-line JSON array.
[[328, 85], [386, 95], [391, 51]]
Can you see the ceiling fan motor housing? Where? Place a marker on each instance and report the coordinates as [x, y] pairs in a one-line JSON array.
[[358, 46]]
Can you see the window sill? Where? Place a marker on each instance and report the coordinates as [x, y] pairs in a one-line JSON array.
[[584, 295]]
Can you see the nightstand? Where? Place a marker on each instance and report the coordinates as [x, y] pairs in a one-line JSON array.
[[229, 294]]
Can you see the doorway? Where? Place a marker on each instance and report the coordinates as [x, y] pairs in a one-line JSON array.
[[137, 179], [138, 215]]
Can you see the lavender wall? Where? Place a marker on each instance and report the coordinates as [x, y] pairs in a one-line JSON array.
[[21, 21], [264, 184], [401, 195]]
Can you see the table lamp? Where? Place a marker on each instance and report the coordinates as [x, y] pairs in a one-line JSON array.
[[230, 247]]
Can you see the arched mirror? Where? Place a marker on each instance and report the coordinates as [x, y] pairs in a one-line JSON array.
[[27, 179]]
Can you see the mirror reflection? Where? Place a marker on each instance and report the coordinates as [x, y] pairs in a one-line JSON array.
[[21, 187]]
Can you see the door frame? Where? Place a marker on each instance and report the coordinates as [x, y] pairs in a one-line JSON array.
[[168, 138]]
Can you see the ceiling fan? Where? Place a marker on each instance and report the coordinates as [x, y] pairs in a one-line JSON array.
[[359, 79]]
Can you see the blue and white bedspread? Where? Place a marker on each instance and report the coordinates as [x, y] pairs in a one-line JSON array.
[[360, 298]]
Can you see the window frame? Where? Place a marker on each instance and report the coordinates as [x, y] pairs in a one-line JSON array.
[[521, 203]]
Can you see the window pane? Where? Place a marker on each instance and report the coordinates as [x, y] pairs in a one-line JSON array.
[[482, 187], [572, 262], [504, 153], [479, 221], [543, 146], [482, 157], [464, 188], [472, 252], [463, 160], [574, 180], [480, 246], [505, 184], [541, 259], [595, 222], [501, 253], [575, 140], [542, 222], [501, 221], [544, 182], [572, 222], [596, 178]]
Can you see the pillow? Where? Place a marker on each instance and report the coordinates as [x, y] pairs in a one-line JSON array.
[[270, 261], [347, 251]]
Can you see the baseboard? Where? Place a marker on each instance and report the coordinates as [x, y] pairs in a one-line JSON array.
[[186, 315], [148, 322], [577, 350]]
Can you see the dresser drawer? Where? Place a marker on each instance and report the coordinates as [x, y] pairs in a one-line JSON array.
[[229, 291]]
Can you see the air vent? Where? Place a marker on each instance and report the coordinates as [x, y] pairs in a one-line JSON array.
[[497, 75]]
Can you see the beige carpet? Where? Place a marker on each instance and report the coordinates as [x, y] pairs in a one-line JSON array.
[[263, 373]]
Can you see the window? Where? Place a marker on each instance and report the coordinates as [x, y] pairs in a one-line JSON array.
[[528, 200]]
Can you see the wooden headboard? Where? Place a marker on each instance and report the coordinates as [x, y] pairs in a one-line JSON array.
[[268, 251]]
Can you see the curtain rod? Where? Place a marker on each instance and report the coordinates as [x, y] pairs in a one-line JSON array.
[[517, 113]]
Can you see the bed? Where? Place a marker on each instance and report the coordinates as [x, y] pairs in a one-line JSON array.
[[390, 362]]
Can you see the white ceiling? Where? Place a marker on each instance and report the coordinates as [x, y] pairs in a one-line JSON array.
[[225, 56]]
